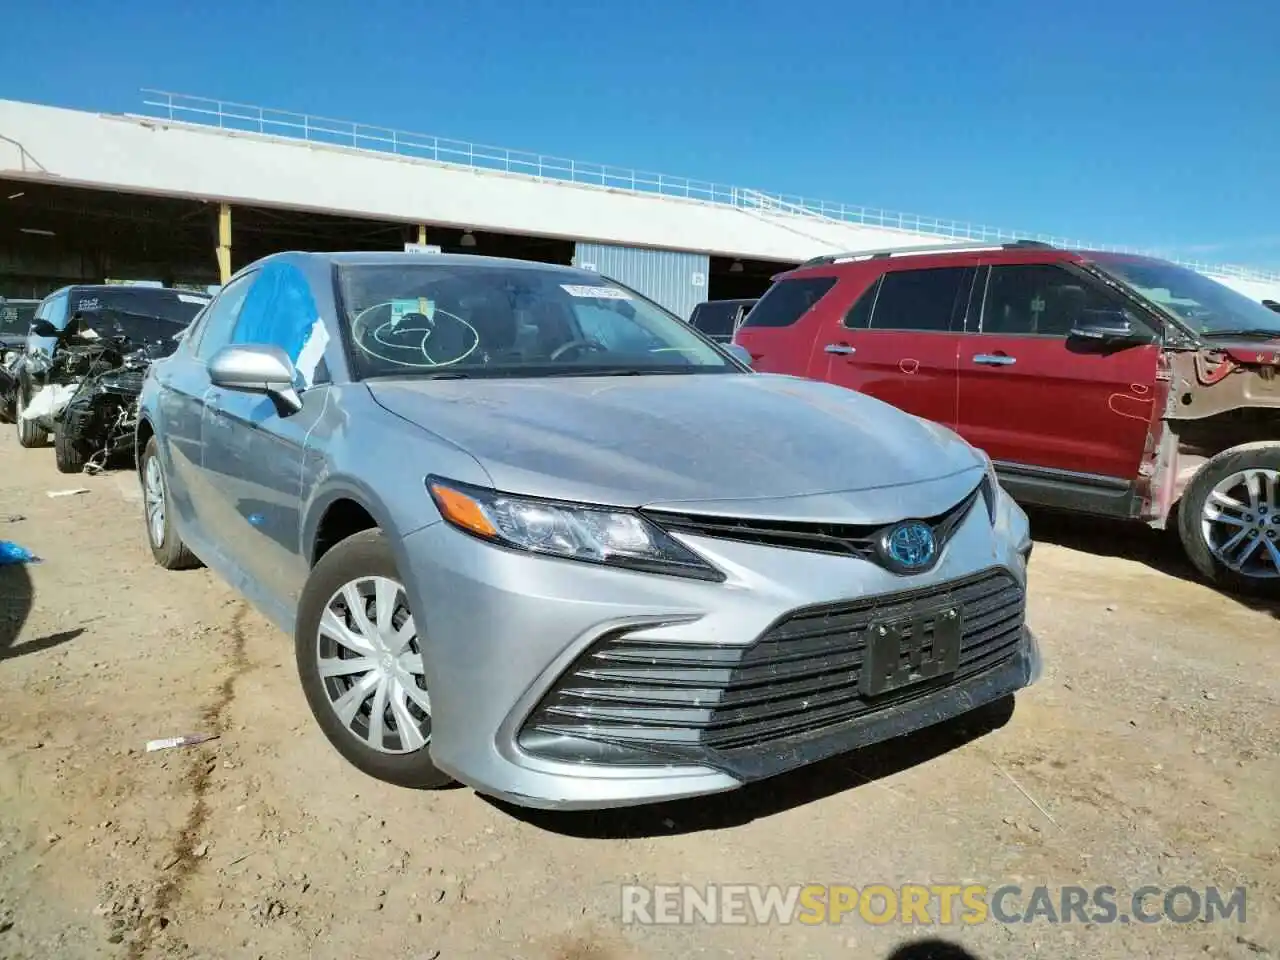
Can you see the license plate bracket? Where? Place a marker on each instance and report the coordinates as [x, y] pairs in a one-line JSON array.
[[907, 650]]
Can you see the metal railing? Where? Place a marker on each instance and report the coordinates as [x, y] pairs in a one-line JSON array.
[[249, 118]]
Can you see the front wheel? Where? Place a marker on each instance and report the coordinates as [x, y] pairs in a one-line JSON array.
[[29, 432], [359, 656], [1229, 519], [68, 453]]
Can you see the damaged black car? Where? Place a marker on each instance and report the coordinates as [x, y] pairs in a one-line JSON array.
[[85, 389], [15, 321]]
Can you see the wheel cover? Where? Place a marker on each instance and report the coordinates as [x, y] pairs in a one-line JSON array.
[[370, 665], [153, 498], [1240, 522]]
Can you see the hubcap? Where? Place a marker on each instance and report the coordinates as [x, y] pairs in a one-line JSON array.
[[1241, 522], [153, 497], [371, 666]]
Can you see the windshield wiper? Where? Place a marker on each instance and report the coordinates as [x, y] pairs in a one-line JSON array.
[[1254, 333], [626, 371]]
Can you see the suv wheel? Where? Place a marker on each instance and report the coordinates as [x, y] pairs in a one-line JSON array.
[[1229, 519], [166, 546], [360, 663], [68, 454], [29, 433]]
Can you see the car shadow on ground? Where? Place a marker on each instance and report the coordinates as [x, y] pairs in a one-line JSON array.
[[17, 596], [860, 769], [1157, 549], [931, 949]]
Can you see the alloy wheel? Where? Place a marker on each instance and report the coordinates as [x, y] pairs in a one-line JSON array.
[[153, 499], [370, 665], [1240, 522]]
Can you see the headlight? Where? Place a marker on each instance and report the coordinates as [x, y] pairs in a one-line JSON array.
[[574, 532]]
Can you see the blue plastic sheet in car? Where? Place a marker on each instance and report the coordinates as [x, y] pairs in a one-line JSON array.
[[279, 309], [12, 554]]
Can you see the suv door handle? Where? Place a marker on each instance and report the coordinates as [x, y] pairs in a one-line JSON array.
[[840, 349], [994, 359]]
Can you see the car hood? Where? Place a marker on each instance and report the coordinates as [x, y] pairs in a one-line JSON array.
[[699, 440]]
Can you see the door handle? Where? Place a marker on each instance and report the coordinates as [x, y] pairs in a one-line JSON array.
[[840, 349], [214, 402], [994, 359]]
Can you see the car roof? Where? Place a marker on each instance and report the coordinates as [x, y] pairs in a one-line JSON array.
[[946, 251], [386, 258]]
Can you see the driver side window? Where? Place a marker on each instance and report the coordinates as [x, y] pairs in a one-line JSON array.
[[220, 317], [1044, 300]]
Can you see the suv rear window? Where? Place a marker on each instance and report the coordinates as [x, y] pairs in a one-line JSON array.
[[715, 317], [787, 301]]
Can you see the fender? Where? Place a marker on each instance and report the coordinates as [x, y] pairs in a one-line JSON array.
[[337, 487]]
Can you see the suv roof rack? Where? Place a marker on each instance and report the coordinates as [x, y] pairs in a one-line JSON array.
[[970, 247]]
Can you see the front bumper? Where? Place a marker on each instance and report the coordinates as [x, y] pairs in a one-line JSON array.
[[521, 712]]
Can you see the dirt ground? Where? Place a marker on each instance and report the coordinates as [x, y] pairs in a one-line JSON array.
[[1146, 755]]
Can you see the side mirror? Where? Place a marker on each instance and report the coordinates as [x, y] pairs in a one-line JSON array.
[[43, 328], [739, 353], [1109, 327], [257, 368]]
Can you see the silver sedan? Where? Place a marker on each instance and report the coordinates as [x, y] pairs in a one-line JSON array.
[[533, 533]]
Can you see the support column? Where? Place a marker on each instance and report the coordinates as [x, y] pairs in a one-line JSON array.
[[224, 242], [422, 233]]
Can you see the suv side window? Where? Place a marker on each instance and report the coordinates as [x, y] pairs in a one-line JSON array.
[[220, 317], [1041, 300], [926, 300], [787, 301]]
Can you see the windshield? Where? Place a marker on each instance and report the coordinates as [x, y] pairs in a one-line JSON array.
[[465, 320], [138, 329], [15, 318], [1206, 306], [145, 302]]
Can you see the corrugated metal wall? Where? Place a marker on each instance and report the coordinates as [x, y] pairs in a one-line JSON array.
[[673, 278]]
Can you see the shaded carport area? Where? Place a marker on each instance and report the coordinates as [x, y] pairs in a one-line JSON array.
[[730, 278], [52, 235]]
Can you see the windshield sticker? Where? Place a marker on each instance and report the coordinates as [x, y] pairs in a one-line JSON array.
[[188, 298], [595, 293], [403, 308]]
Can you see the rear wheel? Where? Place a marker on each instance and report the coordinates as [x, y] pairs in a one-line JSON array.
[[1229, 519], [166, 546], [29, 434], [359, 659], [68, 453]]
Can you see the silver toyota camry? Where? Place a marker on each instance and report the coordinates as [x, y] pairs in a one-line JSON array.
[[533, 533]]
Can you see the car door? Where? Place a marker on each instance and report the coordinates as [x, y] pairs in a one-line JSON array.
[[253, 456], [899, 339], [183, 381], [1044, 406]]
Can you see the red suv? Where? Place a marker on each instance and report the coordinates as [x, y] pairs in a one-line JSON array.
[[1109, 384]]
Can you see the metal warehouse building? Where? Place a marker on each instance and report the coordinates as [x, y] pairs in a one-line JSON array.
[[191, 189]]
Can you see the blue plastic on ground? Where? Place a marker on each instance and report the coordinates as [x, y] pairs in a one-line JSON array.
[[12, 554]]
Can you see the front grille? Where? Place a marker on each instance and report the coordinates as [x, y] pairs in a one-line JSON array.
[[858, 540], [710, 702]]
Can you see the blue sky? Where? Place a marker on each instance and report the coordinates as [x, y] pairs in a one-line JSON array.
[[1145, 122]]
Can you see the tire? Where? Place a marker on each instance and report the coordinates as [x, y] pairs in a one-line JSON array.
[[170, 552], [402, 760], [29, 434], [1260, 574], [68, 454]]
